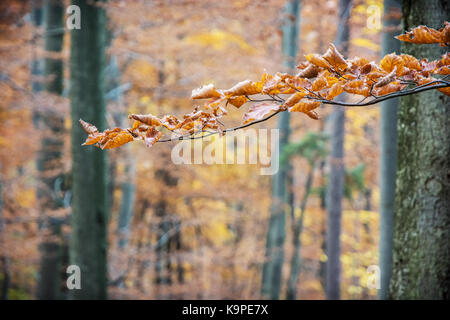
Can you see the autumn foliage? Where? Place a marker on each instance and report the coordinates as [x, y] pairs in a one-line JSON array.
[[320, 80]]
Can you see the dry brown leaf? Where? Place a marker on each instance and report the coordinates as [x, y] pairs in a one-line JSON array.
[[293, 99], [317, 60], [152, 136], [421, 35], [243, 88], [205, 92], [335, 58], [311, 71], [259, 111], [148, 119], [89, 128]]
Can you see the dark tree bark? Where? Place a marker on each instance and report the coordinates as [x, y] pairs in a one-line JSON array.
[[421, 261], [335, 187], [272, 269], [388, 155], [89, 165]]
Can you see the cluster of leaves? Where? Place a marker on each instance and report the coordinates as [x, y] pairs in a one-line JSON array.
[[321, 78]]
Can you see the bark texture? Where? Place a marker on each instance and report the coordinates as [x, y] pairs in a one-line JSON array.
[[89, 168], [421, 261], [388, 156]]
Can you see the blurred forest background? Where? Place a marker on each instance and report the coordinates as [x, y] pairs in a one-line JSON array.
[[187, 231]]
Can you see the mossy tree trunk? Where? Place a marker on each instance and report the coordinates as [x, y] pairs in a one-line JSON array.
[[89, 164], [421, 261]]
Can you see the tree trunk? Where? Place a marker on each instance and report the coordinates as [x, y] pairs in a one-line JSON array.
[[272, 269], [421, 261], [335, 187], [89, 164], [4, 259], [388, 155], [291, 291], [50, 159]]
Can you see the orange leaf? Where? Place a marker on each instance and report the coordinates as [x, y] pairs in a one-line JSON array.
[[170, 122], [312, 114], [205, 92], [335, 58], [246, 87], [293, 99], [317, 60], [335, 90], [445, 35], [115, 138], [357, 87], [410, 62], [238, 101], [421, 35], [319, 83], [146, 118], [389, 88], [310, 71], [305, 105], [390, 61], [258, 111]]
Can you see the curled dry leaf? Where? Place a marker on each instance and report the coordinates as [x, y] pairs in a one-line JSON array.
[[205, 92], [335, 58], [357, 87], [387, 89], [148, 119], [152, 136], [387, 79], [422, 35], [305, 105], [259, 111], [243, 88], [170, 122], [317, 60], [115, 138], [89, 128], [311, 71]]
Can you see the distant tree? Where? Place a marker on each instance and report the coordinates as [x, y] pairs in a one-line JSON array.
[[50, 162], [335, 187], [272, 269]]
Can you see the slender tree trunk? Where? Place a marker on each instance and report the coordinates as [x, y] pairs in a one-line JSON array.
[[49, 162], [272, 269], [89, 165], [421, 261], [388, 156], [335, 187], [291, 291], [4, 259]]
